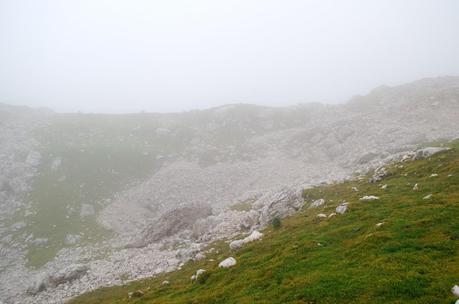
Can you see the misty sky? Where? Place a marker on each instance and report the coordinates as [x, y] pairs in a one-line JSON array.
[[127, 56]]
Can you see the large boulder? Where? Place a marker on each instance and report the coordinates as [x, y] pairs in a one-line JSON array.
[[174, 221], [279, 204], [70, 273]]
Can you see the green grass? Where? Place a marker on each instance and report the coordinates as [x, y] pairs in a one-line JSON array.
[[412, 258], [101, 155]]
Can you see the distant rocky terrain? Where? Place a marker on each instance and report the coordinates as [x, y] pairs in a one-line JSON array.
[[96, 200]]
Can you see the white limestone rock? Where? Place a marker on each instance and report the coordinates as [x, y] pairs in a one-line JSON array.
[[369, 198], [254, 236], [341, 209], [317, 203], [227, 263], [455, 290]]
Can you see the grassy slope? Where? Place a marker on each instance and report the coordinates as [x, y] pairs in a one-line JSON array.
[[100, 155], [412, 258]]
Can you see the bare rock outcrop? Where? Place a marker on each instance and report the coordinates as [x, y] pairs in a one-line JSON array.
[[172, 222]]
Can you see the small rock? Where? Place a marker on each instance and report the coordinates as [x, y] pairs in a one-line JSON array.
[[199, 256], [416, 187], [369, 198], [136, 294], [384, 186], [455, 290], [378, 175], [165, 283], [193, 277], [237, 244], [341, 209], [199, 272], [434, 175], [331, 214], [321, 215], [429, 196], [226, 263], [317, 203], [355, 189], [379, 224]]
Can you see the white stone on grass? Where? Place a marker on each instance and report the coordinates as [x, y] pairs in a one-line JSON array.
[[317, 203], [428, 196], [455, 290], [227, 263], [369, 198], [237, 244], [341, 209]]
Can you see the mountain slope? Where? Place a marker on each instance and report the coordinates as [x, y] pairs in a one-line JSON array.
[[98, 190], [413, 257]]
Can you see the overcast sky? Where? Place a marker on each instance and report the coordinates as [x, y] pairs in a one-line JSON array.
[[127, 56]]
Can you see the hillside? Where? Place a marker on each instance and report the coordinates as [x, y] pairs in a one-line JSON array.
[[98, 200], [412, 257]]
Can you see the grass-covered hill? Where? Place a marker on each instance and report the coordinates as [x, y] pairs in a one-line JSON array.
[[413, 257]]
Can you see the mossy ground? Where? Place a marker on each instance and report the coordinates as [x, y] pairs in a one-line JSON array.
[[412, 258]]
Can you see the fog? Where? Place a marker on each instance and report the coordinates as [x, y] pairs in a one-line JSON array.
[[130, 56]]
